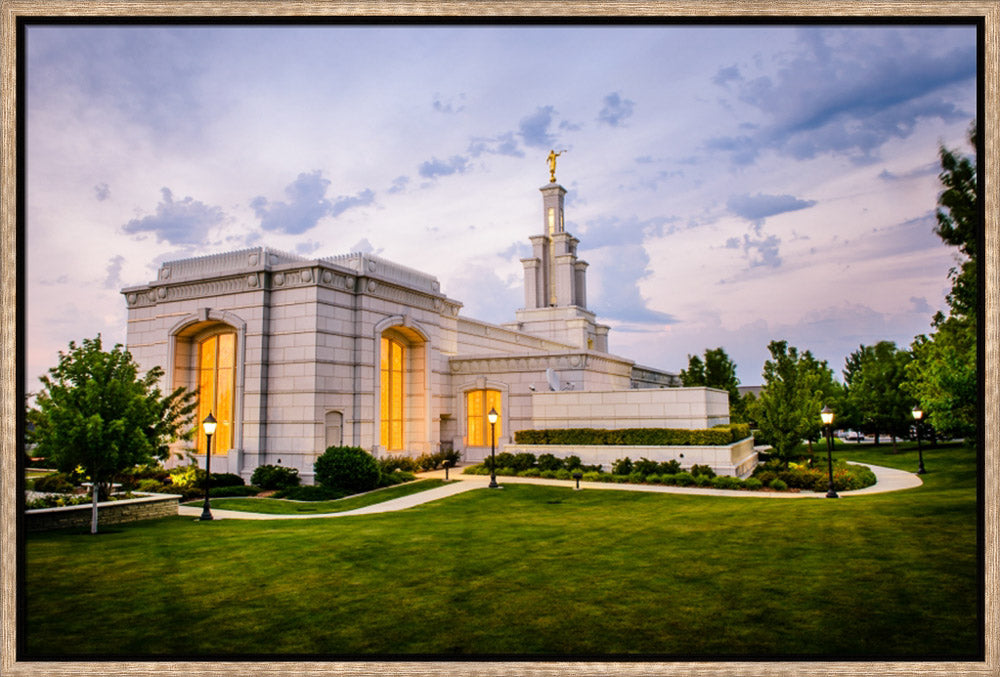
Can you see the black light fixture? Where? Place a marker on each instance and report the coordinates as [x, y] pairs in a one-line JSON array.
[[918, 415], [208, 425], [827, 417], [577, 475], [447, 464], [492, 418]]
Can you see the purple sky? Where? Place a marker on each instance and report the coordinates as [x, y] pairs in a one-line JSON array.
[[729, 185]]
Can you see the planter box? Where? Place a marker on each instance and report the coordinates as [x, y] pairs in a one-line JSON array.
[[149, 506], [736, 460]]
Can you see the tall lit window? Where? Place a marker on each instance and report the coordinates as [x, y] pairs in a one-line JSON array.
[[477, 404], [393, 359], [216, 383]]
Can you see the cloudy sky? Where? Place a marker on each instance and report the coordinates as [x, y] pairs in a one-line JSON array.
[[729, 185]]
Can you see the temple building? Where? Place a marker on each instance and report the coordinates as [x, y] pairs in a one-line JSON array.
[[292, 355]]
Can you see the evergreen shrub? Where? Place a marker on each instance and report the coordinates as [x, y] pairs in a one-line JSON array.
[[270, 477], [351, 469]]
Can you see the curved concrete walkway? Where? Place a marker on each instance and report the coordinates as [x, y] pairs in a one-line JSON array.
[[887, 479]]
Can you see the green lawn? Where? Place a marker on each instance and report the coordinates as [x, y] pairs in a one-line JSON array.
[[278, 506], [534, 571]]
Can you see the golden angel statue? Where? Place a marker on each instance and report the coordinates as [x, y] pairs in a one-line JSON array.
[[552, 163]]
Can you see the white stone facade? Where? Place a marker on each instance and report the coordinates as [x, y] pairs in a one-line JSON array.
[[308, 337]]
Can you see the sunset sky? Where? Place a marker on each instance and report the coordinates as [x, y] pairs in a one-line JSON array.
[[729, 184]]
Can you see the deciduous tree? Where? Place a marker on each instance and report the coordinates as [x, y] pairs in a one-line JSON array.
[[97, 412]]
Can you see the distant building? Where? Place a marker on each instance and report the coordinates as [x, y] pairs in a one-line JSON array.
[[292, 355]]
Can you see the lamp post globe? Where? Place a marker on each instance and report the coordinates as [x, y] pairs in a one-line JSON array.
[[827, 417], [492, 417], [918, 415], [208, 425]]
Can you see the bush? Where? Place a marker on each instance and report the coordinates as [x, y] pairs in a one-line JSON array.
[[653, 479], [389, 479], [720, 435], [752, 483], [427, 462], [452, 456], [529, 472], [388, 464], [669, 479], [547, 474], [351, 469], [226, 479], [57, 483], [572, 463], [549, 462], [232, 490], [699, 470], [151, 486], [671, 467], [645, 467], [703, 480], [310, 493], [592, 476], [683, 479], [269, 477], [478, 469], [507, 470], [622, 466], [778, 485], [523, 461], [726, 482], [563, 474]]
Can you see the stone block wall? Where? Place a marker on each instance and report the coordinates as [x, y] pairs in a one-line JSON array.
[[690, 408], [152, 506]]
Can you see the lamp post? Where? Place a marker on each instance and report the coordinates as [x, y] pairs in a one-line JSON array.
[[492, 418], [827, 417], [208, 425], [918, 414]]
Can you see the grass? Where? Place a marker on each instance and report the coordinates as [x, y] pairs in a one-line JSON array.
[[279, 506], [534, 571]]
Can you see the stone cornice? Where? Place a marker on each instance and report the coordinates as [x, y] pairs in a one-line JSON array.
[[535, 362]]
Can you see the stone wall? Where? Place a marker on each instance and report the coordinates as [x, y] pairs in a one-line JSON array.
[[690, 408], [150, 506], [737, 459]]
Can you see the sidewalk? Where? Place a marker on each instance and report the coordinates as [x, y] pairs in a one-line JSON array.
[[888, 479]]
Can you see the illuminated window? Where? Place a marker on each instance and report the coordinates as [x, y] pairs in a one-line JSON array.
[[216, 383], [477, 404], [393, 359]]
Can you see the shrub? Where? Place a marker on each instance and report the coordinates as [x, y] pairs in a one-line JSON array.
[[752, 483], [766, 477], [592, 476], [563, 474], [232, 490], [549, 462], [310, 493], [57, 483], [726, 482], [427, 462], [645, 466], [778, 485], [275, 477], [683, 479], [388, 479], [504, 459], [670, 479], [507, 470], [152, 486], [671, 467], [186, 476], [478, 469], [653, 479], [388, 464], [547, 474], [636, 478], [351, 469], [622, 466], [523, 461], [529, 472], [226, 479], [452, 456], [572, 463], [698, 470], [703, 480]]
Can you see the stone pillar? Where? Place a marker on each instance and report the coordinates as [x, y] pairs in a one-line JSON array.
[[580, 288], [532, 267]]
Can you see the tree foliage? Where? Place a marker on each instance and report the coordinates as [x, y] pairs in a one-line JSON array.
[[95, 411], [944, 371], [717, 370], [796, 387], [958, 223], [874, 376]]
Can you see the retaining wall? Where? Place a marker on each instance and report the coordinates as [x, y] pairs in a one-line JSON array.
[[737, 459], [149, 506]]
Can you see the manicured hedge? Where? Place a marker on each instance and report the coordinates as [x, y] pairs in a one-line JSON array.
[[717, 436]]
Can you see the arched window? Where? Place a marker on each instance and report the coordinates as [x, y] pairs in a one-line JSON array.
[[216, 384], [477, 404], [393, 393]]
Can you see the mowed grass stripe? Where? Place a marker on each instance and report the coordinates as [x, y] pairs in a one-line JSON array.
[[533, 570]]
